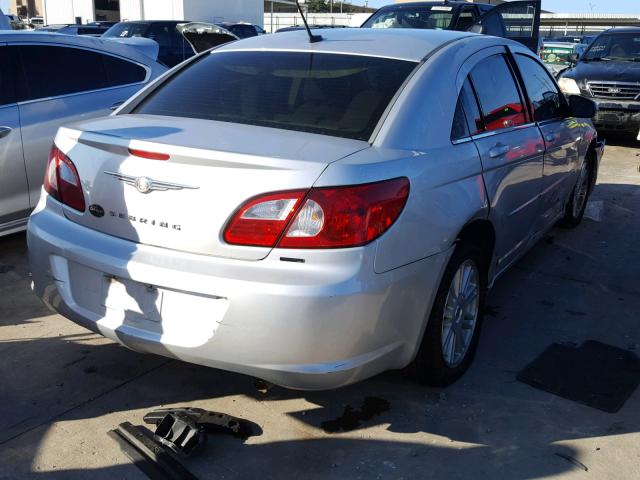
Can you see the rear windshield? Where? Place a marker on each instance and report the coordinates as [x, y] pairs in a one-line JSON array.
[[330, 94], [424, 16], [127, 30]]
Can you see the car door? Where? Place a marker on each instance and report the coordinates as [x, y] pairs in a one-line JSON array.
[[560, 133], [519, 20], [511, 150], [14, 191], [80, 84]]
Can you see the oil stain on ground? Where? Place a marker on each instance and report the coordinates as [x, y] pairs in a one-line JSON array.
[[351, 418]]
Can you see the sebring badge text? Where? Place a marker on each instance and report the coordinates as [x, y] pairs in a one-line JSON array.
[[145, 221]]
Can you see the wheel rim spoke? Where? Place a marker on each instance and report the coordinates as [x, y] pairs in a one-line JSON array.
[[460, 313]]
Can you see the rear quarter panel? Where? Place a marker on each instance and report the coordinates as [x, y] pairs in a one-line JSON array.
[[414, 140], [446, 192]]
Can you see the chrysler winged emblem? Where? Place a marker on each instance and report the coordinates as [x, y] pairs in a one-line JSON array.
[[146, 184]]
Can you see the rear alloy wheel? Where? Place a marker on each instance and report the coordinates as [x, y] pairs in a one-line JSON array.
[[453, 328], [578, 202], [460, 313]]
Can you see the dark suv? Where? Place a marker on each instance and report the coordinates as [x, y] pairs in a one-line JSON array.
[[519, 20], [174, 48], [609, 73]]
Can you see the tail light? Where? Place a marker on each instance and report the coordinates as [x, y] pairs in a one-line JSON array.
[[62, 182], [333, 217]]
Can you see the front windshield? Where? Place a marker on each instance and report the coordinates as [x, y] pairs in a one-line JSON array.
[[556, 55], [619, 46], [127, 30], [427, 16]]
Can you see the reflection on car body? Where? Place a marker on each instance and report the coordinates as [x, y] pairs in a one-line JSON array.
[[357, 196]]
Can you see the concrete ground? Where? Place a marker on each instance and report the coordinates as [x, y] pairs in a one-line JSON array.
[[62, 388]]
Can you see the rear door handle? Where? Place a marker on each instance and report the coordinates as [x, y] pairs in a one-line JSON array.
[[116, 105], [550, 137], [499, 150], [4, 131]]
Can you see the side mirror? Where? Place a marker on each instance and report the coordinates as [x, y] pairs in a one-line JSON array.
[[573, 58], [476, 28], [582, 107]]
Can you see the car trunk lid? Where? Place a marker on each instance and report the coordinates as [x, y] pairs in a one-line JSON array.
[[185, 201]]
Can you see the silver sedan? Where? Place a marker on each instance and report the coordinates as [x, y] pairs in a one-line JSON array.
[[313, 213]]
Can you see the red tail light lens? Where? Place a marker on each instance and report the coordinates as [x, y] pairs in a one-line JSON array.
[[334, 217], [261, 221], [62, 182], [346, 216]]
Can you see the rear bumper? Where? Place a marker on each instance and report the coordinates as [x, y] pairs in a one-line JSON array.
[[617, 116], [320, 324]]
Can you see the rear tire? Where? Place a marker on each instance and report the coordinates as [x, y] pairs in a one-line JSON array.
[[574, 211], [453, 327]]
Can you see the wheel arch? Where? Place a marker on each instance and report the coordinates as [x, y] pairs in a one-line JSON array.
[[592, 157], [480, 232]]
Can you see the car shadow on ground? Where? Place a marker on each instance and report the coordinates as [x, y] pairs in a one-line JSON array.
[[571, 287], [620, 140]]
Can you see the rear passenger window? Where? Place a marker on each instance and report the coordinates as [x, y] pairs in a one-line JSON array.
[[459, 129], [52, 71], [122, 72], [497, 93], [546, 100], [74, 70], [467, 120], [7, 77]]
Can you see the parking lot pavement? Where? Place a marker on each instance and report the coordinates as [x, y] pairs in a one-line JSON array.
[[62, 388]]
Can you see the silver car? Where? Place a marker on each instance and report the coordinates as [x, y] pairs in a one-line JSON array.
[[313, 213], [48, 80]]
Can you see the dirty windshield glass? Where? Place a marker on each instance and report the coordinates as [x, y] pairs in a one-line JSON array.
[[427, 16], [621, 46], [330, 94], [557, 55]]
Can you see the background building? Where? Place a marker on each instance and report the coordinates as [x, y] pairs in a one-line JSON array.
[[25, 8], [491, 2], [83, 11]]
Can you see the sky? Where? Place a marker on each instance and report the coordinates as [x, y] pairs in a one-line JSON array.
[[564, 6]]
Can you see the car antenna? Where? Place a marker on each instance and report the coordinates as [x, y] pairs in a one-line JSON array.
[[312, 38]]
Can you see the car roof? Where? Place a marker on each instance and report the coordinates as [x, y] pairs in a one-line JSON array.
[[623, 30], [93, 43], [560, 44], [453, 3], [397, 43], [177, 22]]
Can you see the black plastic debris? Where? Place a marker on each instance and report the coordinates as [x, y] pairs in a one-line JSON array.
[[595, 374], [180, 433], [139, 444], [211, 422]]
